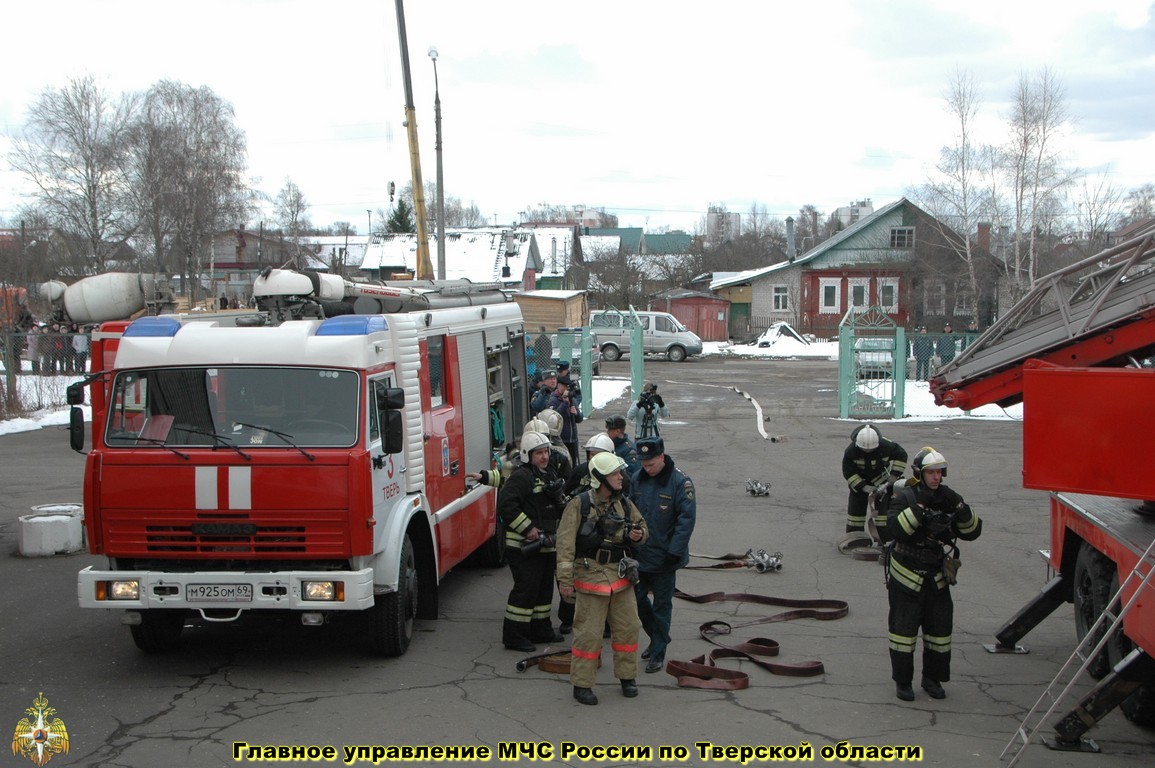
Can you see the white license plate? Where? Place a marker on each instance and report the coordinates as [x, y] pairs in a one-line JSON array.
[[219, 593]]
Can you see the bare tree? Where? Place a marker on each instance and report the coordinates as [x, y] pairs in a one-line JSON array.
[[1099, 207], [74, 151], [954, 195], [1140, 204], [1038, 115], [197, 172], [292, 212]]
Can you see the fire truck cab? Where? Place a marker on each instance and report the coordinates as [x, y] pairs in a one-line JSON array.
[[315, 464]]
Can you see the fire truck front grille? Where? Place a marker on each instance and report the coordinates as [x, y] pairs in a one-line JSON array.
[[219, 536], [226, 538]]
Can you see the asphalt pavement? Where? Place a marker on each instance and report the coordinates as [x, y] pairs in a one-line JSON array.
[[276, 683]]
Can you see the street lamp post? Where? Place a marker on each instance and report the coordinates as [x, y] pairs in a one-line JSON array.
[[440, 178], [370, 212]]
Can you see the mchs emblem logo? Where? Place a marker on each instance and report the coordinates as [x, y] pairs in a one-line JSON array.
[[40, 734]]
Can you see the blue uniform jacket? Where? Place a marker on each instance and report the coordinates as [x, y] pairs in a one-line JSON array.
[[668, 503]]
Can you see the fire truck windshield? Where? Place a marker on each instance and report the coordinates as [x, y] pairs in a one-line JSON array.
[[222, 407]]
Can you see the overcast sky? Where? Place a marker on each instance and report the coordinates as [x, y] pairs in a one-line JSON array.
[[652, 110]]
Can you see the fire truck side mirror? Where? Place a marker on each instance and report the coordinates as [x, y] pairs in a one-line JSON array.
[[74, 395], [390, 401], [76, 429]]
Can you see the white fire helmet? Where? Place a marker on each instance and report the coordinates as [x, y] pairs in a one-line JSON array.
[[531, 442], [535, 425], [600, 442], [867, 438], [927, 458], [553, 419]]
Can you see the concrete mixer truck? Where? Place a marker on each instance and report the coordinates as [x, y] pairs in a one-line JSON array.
[[110, 296]]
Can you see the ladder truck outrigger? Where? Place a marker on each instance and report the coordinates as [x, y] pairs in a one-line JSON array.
[[1073, 351], [307, 457]]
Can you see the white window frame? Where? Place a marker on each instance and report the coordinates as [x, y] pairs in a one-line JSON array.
[[858, 282], [892, 283], [823, 284], [780, 297]]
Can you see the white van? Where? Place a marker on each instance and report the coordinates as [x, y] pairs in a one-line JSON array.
[[662, 334]]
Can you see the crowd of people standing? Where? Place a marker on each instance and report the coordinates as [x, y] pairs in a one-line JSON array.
[[57, 348]]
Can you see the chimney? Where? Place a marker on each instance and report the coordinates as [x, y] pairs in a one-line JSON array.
[[983, 238], [791, 248]]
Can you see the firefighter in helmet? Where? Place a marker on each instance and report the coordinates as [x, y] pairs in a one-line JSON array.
[[869, 464], [925, 520], [598, 532], [529, 506]]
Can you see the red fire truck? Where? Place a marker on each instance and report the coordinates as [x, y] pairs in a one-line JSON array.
[[307, 457], [1076, 352]]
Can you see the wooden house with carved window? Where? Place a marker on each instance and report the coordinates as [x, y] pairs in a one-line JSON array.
[[899, 258]]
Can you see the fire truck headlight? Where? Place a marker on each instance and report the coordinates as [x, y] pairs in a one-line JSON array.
[[118, 590], [325, 591]]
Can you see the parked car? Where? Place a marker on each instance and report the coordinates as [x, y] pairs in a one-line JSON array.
[[874, 357], [576, 354], [662, 334]]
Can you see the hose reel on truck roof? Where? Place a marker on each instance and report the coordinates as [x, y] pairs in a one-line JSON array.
[[292, 294]]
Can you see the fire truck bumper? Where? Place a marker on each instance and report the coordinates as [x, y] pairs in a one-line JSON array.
[[284, 590]]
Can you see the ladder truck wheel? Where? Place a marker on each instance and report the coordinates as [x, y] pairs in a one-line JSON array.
[[159, 630], [391, 617], [1095, 580]]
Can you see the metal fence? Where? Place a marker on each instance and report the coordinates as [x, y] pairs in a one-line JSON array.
[[36, 368]]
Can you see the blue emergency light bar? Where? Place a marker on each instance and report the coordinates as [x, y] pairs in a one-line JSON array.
[[153, 326], [353, 325]]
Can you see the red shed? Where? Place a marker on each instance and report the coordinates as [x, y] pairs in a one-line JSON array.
[[706, 314]]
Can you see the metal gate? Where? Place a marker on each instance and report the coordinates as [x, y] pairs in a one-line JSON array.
[[871, 365]]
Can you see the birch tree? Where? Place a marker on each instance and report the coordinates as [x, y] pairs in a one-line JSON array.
[[1038, 118], [75, 153]]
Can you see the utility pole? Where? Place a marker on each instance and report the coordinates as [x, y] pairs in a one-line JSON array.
[[440, 176], [424, 267]]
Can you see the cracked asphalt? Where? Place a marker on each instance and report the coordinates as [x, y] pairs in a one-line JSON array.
[[274, 682]]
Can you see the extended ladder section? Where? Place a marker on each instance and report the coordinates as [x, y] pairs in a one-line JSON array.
[[1098, 311], [1103, 697]]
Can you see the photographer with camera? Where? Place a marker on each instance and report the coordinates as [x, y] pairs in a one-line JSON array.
[[562, 402], [645, 412], [925, 520], [529, 506], [665, 495], [598, 531]]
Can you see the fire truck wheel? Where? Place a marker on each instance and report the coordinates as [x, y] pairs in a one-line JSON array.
[[491, 554], [391, 617], [1094, 576], [158, 631]]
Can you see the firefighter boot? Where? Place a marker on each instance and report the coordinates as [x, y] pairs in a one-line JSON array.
[[584, 695], [904, 691], [513, 638], [629, 688], [933, 688]]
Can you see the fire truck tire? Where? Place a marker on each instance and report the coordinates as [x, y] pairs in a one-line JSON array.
[[611, 353], [1139, 707], [491, 554], [159, 630], [391, 617], [1094, 577]]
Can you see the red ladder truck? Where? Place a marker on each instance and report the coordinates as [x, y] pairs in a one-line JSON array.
[[309, 457], [1073, 351]]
